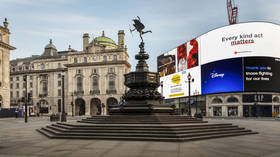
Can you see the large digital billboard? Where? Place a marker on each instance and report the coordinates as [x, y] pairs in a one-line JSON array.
[[261, 74], [222, 76], [234, 58], [176, 85]]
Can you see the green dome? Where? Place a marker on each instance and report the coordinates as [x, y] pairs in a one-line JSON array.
[[104, 39]]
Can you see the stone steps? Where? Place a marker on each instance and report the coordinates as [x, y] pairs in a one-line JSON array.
[[144, 138], [152, 128]]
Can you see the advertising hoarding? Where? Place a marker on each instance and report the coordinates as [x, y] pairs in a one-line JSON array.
[[222, 76], [261, 74], [240, 40], [232, 51], [176, 85], [166, 63]]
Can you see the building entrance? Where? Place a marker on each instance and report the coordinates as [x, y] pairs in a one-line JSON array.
[[80, 107], [257, 110]]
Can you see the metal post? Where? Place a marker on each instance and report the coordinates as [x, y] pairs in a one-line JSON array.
[[25, 100], [189, 97], [63, 115], [72, 103]]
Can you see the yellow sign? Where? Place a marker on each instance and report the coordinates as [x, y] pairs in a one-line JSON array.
[[176, 79], [178, 94]]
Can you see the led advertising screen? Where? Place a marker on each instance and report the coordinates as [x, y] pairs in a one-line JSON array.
[[188, 55], [261, 74], [176, 85], [166, 63], [234, 58], [222, 76], [240, 40]]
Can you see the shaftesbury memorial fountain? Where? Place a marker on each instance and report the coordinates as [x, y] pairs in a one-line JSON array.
[[142, 116], [142, 97]]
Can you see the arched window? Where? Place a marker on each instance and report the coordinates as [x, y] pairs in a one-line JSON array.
[[79, 83], [232, 99], [95, 83], [217, 101], [276, 99], [111, 82]]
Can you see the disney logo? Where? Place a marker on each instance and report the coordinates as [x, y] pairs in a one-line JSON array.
[[214, 75]]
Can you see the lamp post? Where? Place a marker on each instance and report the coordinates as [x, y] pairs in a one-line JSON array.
[[25, 96], [63, 115], [189, 84], [72, 104]]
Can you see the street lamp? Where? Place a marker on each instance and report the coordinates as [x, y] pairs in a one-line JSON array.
[[25, 96], [189, 83], [72, 104], [63, 115]]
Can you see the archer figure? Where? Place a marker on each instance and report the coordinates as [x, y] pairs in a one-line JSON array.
[[139, 26]]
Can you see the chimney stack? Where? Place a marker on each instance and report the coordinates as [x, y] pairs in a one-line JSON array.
[[85, 41], [121, 39]]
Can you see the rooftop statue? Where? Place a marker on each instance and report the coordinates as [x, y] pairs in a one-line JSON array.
[[139, 26]]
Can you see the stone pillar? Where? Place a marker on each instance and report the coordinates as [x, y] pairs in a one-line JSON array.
[[85, 41], [121, 39]]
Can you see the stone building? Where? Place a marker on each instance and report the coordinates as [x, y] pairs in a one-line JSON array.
[[5, 48], [92, 77]]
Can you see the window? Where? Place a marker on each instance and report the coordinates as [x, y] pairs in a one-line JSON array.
[[26, 67], [43, 66], [17, 94], [44, 87], [95, 83], [111, 82], [104, 58], [23, 93], [20, 68], [11, 79], [79, 83], [111, 70], [85, 59], [11, 94], [94, 58], [17, 86], [217, 101], [1, 37], [79, 71], [217, 111], [11, 86], [59, 65], [23, 85], [59, 83], [17, 78], [275, 99], [30, 77], [94, 71], [30, 84], [115, 57], [58, 75], [232, 99], [233, 111], [59, 92], [75, 60]]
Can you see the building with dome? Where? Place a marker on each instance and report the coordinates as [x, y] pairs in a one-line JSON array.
[[5, 48], [92, 77]]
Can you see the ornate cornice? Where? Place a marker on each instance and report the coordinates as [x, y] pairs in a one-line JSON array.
[[7, 46], [98, 63], [38, 71]]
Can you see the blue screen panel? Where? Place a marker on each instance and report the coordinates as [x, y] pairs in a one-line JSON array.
[[222, 76]]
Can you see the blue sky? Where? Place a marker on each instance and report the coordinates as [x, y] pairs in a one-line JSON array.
[[33, 22]]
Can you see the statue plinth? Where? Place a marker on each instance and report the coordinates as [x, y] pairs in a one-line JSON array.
[[142, 97]]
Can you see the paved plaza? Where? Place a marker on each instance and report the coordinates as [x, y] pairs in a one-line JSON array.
[[18, 139]]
